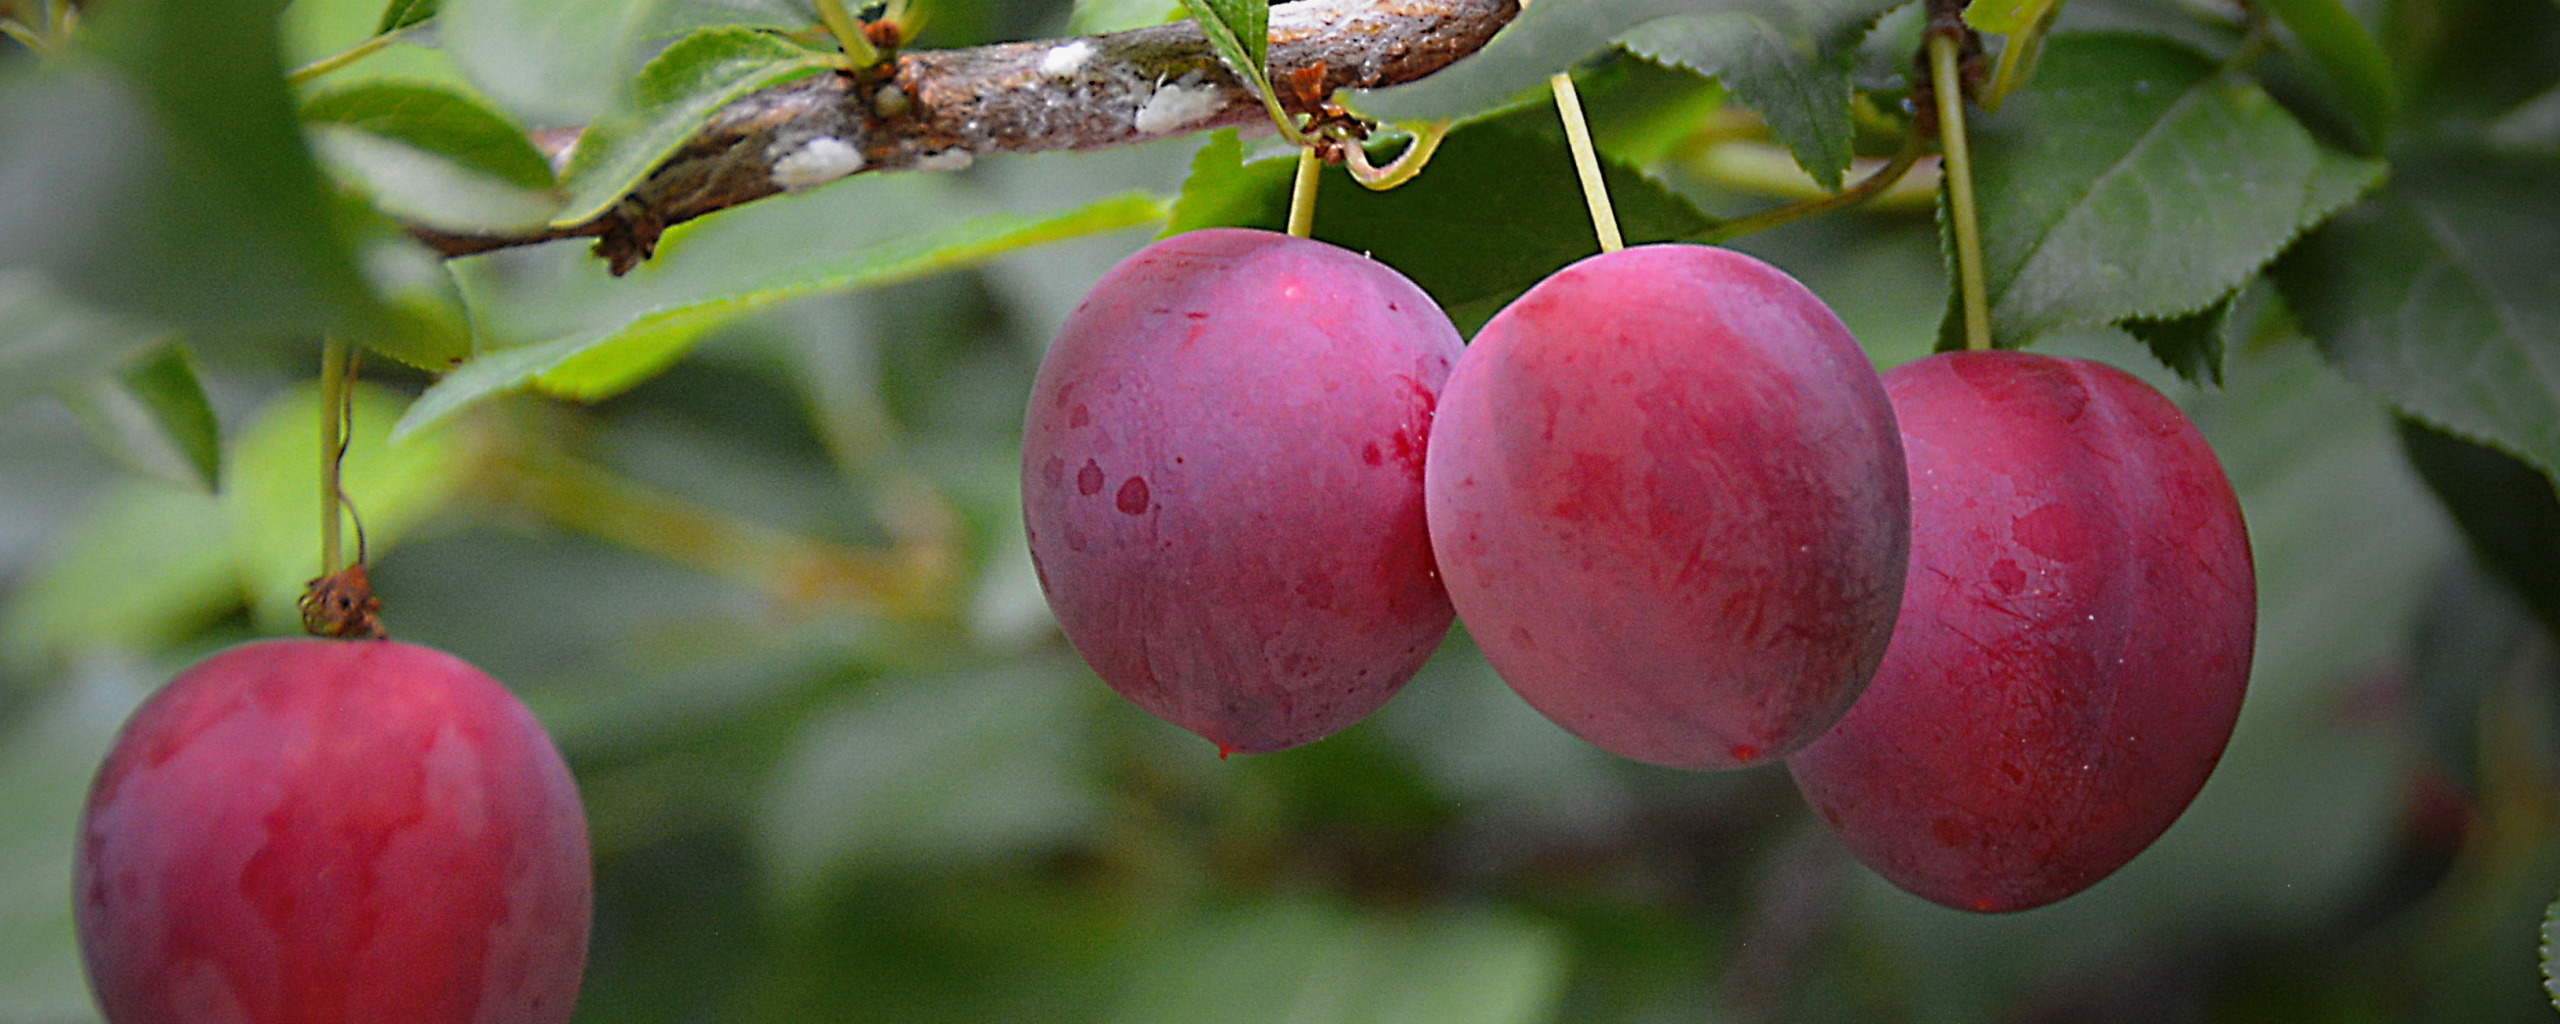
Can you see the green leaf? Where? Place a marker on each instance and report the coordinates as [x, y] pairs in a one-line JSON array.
[[1240, 30], [1302, 961], [272, 514], [49, 342], [2551, 942], [431, 330], [551, 62], [400, 14], [169, 181], [2349, 56], [1498, 211], [929, 772], [2506, 508], [2443, 295], [2133, 180], [154, 418], [2192, 345], [438, 119], [2006, 17], [433, 155], [676, 95], [1799, 83], [146, 566], [597, 361], [1094, 17]]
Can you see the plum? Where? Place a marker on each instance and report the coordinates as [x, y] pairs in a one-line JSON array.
[[2073, 646], [323, 832], [1222, 483], [1668, 499]]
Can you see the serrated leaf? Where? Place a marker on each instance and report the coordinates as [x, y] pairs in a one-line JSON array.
[[678, 17], [431, 329], [1303, 961], [1798, 83], [2134, 180], [1094, 17], [676, 95], [2550, 948], [154, 418], [2191, 345], [2443, 295], [605, 360], [49, 342], [432, 155], [400, 14], [1498, 211], [169, 180], [2350, 57], [550, 62]]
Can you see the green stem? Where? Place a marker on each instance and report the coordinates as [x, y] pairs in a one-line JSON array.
[[1586, 162], [1959, 176], [848, 33], [1426, 141], [1302, 194], [350, 55], [10, 27], [333, 448], [1873, 186]]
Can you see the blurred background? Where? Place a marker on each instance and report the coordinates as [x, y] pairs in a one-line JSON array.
[[776, 608]]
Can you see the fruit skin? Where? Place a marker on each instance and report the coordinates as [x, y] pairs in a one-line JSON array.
[[2073, 647], [1222, 483], [1668, 498], [324, 832]]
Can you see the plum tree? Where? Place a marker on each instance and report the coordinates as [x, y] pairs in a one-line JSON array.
[[1667, 494], [1222, 483], [317, 832], [2073, 646]]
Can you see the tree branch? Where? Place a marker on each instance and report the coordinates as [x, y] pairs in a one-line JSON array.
[[942, 109]]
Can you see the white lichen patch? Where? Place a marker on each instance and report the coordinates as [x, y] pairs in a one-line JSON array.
[[1178, 105], [815, 162], [1066, 60], [954, 159]]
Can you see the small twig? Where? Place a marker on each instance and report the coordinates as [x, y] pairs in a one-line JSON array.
[[1093, 93], [1426, 141], [1914, 146], [1586, 163]]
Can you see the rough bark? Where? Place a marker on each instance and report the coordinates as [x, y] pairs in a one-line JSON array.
[[939, 110]]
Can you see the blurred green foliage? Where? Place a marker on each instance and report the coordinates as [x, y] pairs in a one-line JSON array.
[[770, 593]]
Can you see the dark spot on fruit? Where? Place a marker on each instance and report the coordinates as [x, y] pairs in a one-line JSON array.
[[1196, 315], [1133, 495], [1081, 416], [1089, 479], [1744, 752], [2006, 576], [1053, 472], [1949, 832], [1369, 453]]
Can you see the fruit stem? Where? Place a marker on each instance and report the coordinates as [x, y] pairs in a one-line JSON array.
[[1302, 194], [352, 54], [1913, 147], [1949, 87], [333, 448], [1586, 162], [848, 33]]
